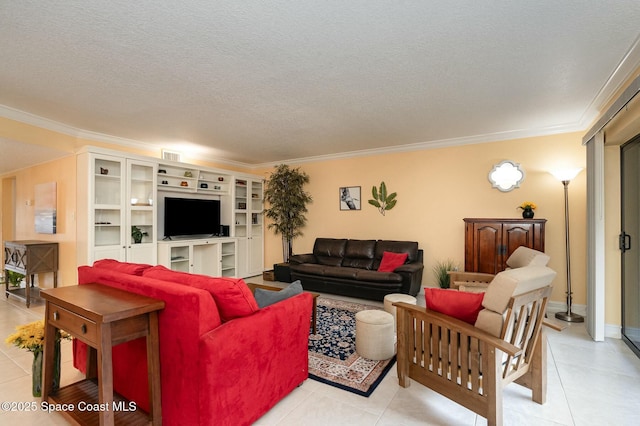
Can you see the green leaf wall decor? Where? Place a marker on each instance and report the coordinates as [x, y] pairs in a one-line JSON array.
[[381, 200]]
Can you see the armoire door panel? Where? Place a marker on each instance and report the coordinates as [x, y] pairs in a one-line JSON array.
[[514, 236], [487, 239], [490, 242]]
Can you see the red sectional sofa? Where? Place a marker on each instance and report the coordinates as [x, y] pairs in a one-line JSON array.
[[223, 361]]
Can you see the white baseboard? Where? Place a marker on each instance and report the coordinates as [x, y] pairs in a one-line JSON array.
[[610, 330], [613, 331], [562, 307]]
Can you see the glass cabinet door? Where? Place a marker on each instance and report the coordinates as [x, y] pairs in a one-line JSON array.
[[141, 212], [107, 212]]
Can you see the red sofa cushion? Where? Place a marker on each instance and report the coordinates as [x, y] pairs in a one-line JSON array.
[[124, 267], [390, 261], [232, 295], [458, 304]]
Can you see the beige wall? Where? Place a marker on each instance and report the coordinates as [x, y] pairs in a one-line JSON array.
[[438, 188], [63, 172]]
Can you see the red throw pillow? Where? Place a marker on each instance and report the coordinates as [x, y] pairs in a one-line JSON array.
[[390, 261], [124, 267], [458, 304]]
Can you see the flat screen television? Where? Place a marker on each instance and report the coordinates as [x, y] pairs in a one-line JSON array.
[[191, 216]]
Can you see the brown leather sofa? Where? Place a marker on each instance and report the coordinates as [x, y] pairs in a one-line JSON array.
[[350, 268]]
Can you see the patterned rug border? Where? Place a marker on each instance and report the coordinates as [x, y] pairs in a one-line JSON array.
[[376, 371]]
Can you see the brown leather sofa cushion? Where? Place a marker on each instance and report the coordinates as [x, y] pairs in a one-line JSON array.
[[329, 251], [380, 277], [359, 254], [341, 272]]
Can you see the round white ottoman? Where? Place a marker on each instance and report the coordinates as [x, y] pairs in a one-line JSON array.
[[375, 337], [390, 299]]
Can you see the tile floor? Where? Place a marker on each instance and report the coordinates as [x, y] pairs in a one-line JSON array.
[[590, 383]]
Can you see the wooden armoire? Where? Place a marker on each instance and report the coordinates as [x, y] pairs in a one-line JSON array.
[[490, 242]]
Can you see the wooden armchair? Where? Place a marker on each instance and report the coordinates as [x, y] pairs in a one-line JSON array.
[[469, 281], [470, 364], [478, 281]]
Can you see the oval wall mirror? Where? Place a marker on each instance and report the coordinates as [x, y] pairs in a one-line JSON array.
[[506, 176]]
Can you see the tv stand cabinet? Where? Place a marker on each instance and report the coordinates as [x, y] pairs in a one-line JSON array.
[[119, 190], [215, 256]]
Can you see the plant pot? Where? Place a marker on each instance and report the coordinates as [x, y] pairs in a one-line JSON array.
[[527, 214], [36, 370]]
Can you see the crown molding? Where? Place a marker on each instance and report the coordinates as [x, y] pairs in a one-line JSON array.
[[442, 143], [55, 126], [45, 123], [35, 120], [620, 75]]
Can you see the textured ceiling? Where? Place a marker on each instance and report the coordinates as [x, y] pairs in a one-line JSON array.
[[268, 81]]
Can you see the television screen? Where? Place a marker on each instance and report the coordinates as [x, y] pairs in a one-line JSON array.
[[190, 216]]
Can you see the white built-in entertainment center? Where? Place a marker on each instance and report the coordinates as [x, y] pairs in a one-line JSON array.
[[121, 214]]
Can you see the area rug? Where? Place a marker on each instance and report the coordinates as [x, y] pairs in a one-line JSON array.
[[332, 350]]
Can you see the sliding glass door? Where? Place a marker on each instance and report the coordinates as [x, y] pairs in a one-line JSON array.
[[630, 244]]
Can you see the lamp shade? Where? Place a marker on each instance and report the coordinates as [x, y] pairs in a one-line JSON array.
[[566, 174]]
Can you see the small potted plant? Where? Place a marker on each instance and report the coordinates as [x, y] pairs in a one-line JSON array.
[[527, 209], [14, 279], [441, 271], [137, 234]]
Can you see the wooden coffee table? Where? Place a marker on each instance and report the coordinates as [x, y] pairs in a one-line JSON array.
[[314, 311]]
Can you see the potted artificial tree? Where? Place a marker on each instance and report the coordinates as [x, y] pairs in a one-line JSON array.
[[287, 200]]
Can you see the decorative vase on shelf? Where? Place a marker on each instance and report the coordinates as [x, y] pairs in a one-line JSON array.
[[527, 213]]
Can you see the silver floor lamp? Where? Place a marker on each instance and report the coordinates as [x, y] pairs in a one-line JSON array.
[[565, 176]]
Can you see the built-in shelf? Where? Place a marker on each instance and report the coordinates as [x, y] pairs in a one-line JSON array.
[[177, 178]]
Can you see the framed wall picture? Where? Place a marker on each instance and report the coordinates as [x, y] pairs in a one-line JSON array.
[[350, 198], [45, 212]]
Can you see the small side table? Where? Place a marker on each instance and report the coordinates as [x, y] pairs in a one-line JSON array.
[[101, 317], [29, 257], [282, 272]]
